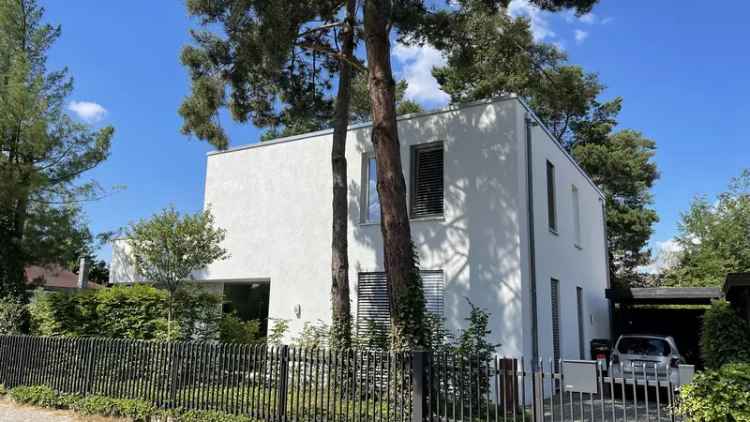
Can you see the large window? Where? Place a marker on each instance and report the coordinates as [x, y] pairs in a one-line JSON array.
[[555, 297], [370, 200], [372, 298], [551, 206], [427, 180], [576, 216]]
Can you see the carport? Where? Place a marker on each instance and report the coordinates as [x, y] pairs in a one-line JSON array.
[[675, 312]]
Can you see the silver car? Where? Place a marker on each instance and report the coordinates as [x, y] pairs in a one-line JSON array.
[[638, 358]]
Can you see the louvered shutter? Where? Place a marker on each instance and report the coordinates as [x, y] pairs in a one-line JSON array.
[[427, 181], [555, 292], [433, 287], [372, 297]]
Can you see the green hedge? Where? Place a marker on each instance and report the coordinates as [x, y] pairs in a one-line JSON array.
[[136, 410], [725, 337], [718, 395], [131, 312]]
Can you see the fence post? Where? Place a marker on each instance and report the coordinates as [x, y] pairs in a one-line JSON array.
[[419, 386], [283, 382], [90, 366], [538, 392]]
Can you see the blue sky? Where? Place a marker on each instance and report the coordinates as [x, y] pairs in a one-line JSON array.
[[680, 67]]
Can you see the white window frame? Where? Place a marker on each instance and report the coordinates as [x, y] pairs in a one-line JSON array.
[[364, 218]]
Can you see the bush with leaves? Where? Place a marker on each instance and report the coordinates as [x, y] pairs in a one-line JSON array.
[[725, 337], [13, 316], [313, 335], [234, 330], [717, 395], [130, 312]]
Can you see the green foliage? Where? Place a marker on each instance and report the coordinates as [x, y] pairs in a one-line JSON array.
[[210, 416], [13, 316], [44, 151], [134, 312], [37, 395], [717, 395], [234, 330], [713, 237], [725, 337], [135, 410], [169, 247], [277, 332], [313, 335]]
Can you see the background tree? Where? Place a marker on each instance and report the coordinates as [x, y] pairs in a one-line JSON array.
[[714, 238], [490, 53], [43, 152], [169, 247]]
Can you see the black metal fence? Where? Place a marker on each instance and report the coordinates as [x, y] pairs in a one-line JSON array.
[[298, 384]]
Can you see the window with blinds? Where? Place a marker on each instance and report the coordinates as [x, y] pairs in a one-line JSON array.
[[555, 292], [427, 180], [551, 206], [372, 297], [581, 334]]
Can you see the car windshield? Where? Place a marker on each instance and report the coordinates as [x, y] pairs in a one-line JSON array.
[[643, 346]]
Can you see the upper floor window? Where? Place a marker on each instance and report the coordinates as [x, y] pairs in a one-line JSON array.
[[371, 208], [576, 215], [427, 180], [551, 205]]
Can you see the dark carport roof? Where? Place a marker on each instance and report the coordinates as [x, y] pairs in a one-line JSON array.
[[664, 295], [735, 283]]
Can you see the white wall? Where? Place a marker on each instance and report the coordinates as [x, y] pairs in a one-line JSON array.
[[558, 257], [274, 200]]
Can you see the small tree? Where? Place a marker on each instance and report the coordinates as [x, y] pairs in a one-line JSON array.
[[169, 247]]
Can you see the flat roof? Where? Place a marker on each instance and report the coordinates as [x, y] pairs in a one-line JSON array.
[[736, 283], [446, 109], [664, 295]]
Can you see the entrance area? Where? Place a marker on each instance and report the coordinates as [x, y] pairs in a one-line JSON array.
[[249, 301]]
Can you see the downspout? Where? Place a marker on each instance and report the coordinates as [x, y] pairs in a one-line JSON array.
[[532, 249]]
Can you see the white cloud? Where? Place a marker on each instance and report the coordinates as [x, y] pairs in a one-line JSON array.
[[416, 68], [87, 111], [588, 18], [581, 36], [666, 254], [539, 20]]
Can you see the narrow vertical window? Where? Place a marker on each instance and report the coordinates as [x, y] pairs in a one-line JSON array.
[[581, 334], [370, 200], [427, 180], [555, 297], [576, 216], [551, 206]]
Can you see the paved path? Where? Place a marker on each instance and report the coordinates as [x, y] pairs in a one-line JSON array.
[[11, 412]]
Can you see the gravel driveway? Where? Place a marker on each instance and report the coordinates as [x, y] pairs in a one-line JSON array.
[[11, 412]]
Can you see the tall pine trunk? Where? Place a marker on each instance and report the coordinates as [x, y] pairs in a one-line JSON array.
[[404, 284], [341, 328]]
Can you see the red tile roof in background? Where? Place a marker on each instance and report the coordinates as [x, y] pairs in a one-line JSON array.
[[55, 277]]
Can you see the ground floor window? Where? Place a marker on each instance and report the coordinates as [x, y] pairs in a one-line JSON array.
[[373, 306]]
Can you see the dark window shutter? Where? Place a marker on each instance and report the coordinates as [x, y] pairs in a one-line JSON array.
[[427, 180], [551, 205]]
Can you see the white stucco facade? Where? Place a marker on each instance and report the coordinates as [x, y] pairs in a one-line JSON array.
[[274, 200]]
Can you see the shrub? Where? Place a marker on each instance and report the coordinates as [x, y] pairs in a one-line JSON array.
[[725, 337], [277, 332], [13, 316], [136, 312], [36, 395], [313, 335], [718, 395], [209, 416], [234, 330], [137, 410]]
